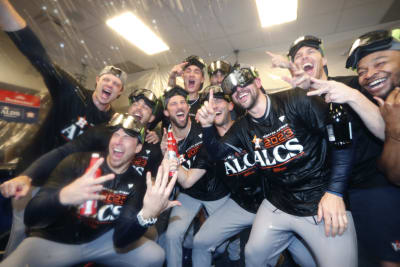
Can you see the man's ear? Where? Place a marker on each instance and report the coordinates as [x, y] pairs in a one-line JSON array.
[[166, 113], [324, 61], [138, 147], [152, 117], [258, 82], [230, 106]]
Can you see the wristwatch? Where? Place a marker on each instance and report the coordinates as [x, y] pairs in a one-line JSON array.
[[145, 222]]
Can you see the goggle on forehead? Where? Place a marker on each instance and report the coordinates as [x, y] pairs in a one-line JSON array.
[[238, 78], [371, 42], [130, 125], [219, 65], [307, 39], [148, 94], [217, 91]]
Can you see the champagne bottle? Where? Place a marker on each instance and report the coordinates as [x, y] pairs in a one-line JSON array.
[[89, 208], [339, 126], [172, 148]]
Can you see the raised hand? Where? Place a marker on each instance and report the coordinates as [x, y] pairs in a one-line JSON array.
[[278, 61], [390, 111], [156, 200], [334, 91], [85, 187], [152, 137], [206, 113]]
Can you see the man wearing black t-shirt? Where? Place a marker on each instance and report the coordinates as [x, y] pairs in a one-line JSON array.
[[75, 109], [208, 192], [126, 206], [284, 134], [143, 103], [376, 58], [246, 195], [192, 71]]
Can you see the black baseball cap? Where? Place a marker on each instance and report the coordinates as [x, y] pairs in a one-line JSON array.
[[306, 40], [173, 91], [196, 61]]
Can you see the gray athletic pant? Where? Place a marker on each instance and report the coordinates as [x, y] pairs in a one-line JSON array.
[[227, 221], [273, 230], [179, 221], [17, 232], [35, 251]]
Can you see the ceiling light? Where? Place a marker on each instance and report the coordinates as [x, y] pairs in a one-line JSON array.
[[136, 32], [272, 12]]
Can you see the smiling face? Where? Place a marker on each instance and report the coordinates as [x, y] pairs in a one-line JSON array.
[[222, 110], [246, 97], [193, 79], [379, 72], [311, 61], [122, 149], [108, 88], [178, 111], [217, 78], [141, 111]]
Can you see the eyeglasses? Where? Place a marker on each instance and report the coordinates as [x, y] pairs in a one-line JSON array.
[[238, 77], [371, 42], [219, 65], [218, 93], [130, 125]]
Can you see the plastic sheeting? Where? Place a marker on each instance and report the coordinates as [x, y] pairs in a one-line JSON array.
[[15, 136]]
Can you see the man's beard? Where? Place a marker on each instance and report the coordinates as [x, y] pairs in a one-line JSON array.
[[176, 123]]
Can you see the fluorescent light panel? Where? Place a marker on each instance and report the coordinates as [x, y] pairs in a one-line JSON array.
[[272, 12], [136, 32]]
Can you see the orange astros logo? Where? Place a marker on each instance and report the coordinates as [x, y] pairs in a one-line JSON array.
[[257, 142]]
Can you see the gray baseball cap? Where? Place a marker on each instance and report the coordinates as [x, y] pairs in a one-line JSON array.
[[116, 72]]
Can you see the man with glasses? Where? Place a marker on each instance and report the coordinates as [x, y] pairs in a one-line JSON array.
[[376, 58], [126, 206], [284, 136]]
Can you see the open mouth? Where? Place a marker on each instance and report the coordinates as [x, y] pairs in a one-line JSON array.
[[377, 84], [218, 113], [117, 152], [191, 83], [105, 93], [180, 115], [308, 67], [242, 97], [138, 116]]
